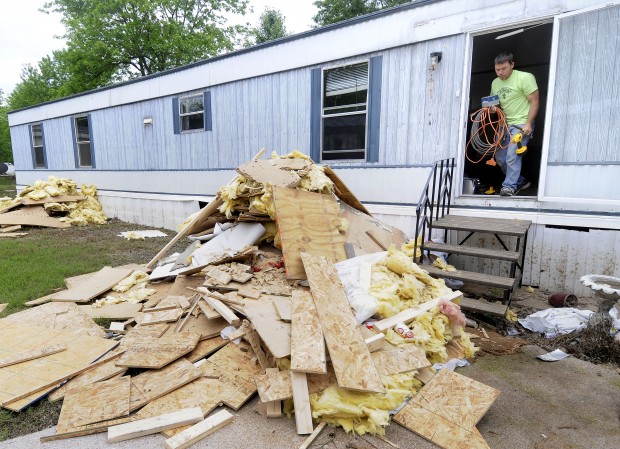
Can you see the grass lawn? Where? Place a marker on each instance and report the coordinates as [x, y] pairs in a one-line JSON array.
[[37, 264], [7, 186]]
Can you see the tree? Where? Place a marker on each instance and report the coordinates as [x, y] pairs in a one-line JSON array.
[[332, 11], [120, 39], [5, 136], [270, 26]]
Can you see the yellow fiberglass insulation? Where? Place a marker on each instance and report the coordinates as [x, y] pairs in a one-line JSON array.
[[5, 201], [87, 211], [359, 412], [134, 278]]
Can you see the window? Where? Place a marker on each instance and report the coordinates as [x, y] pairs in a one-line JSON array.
[[38, 146], [82, 143], [191, 113], [343, 115]]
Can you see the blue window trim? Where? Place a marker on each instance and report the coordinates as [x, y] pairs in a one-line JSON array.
[[176, 120], [207, 113], [91, 143], [315, 114], [34, 157]]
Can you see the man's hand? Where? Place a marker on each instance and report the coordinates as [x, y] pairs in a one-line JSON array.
[[527, 129]]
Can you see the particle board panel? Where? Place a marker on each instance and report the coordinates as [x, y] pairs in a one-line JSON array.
[[236, 360], [254, 340], [199, 431], [275, 333], [273, 409], [342, 191], [265, 171], [234, 389], [153, 384], [104, 371], [277, 386], [163, 316], [52, 199], [31, 216], [307, 342], [23, 383], [301, 401], [283, 307], [99, 283], [74, 281], [120, 311], [205, 348], [37, 353], [353, 364], [307, 222], [400, 360], [155, 353], [200, 325], [359, 226], [183, 284], [153, 425], [96, 402], [60, 316]]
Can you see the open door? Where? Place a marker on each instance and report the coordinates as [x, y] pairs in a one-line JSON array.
[[581, 160]]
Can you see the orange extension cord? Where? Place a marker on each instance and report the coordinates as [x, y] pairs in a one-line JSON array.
[[484, 124]]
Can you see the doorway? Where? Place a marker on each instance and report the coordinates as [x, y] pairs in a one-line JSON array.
[[531, 47]]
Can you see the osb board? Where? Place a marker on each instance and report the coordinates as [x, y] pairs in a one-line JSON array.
[[182, 284], [206, 347], [153, 384], [283, 307], [162, 290], [343, 192], [35, 377], [400, 360], [163, 316], [266, 171], [64, 431], [275, 333], [236, 360], [360, 223], [31, 355], [120, 311], [349, 353], [278, 386], [457, 398], [53, 199], [307, 342], [200, 325], [100, 282], [437, 429], [155, 353], [60, 316], [31, 216], [105, 371], [307, 222], [96, 402]]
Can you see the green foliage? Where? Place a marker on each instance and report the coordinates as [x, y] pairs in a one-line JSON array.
[[5, 136], [332, 11], [270, 26]]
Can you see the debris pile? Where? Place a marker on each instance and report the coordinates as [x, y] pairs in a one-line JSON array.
[[277, 272], [55, 203]]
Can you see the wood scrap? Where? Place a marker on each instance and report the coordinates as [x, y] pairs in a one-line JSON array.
[[223, 310], [31, 355], [124, 310], [207, 310], [31, 216], [254, 340], [307, 342], [342, 191], [276, 386], [375, 342], [156, 424], [265, 171], [99, 283], [350, 357], [39, 301], [164, 316], [242, 277], [52, 199], [317, 430], [10, 228], [155, 353], [248, 292], [301, 400], [283, 307], [201, 325], [400, 360], [273, 409], [13, 235], [199, 431], [275, 333], [216, 295], [219, 276], [205, 348]]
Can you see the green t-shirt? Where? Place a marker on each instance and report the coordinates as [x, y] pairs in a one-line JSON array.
[[513, 95]]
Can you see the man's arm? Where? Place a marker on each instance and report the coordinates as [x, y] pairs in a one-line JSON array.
[[534, 100]]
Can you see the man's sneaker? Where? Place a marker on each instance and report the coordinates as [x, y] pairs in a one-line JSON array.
[[507, 191], [522, 186]]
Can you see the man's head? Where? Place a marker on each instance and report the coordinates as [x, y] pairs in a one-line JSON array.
[[504, 64]]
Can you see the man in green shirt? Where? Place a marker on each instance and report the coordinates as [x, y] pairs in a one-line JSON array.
[[519, 99]]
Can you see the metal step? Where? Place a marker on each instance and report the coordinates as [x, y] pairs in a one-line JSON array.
[[511, 256], [488, 225], [469, 276]]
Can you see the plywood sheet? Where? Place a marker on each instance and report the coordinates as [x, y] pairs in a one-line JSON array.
[[399, 360], [342, 191], [60, 316], [283, 307], [307, 342], [96, 402], [155, 353], [31, 216], [307, 222], [206, 347], [349, 354], [153, 384], [266, 171], [121, 311], [29, 378], [275, 333], [99, 283], [278, 386]]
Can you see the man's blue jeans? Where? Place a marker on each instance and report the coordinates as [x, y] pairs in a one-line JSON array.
[[508, 159]]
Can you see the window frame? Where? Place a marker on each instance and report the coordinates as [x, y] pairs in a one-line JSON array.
[[34, 147], [203, 112], [76, 142], [366, 112]]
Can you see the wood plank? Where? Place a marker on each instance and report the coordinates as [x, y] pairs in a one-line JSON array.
[[470, 276], [96, 402], [13, 235], [307, 342], [10, 228], [223, 310], [156, 424], [275, 333], [31, 216], [37, 353], [375, 342], [99, 283], [266, 171], [155, 353], [487, 225], [317, 430], [409, 315], [307, 222], [476, 305], [342, 191], [301, 401], [400, 360], [472, 251], [53, 199], [121, 311], [283, 307], [199, 431], [349, 354]]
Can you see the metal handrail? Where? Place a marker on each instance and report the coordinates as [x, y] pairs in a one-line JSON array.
[[438, 200]]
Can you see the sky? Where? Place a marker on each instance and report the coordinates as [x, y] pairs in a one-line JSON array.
[[27, 35]]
